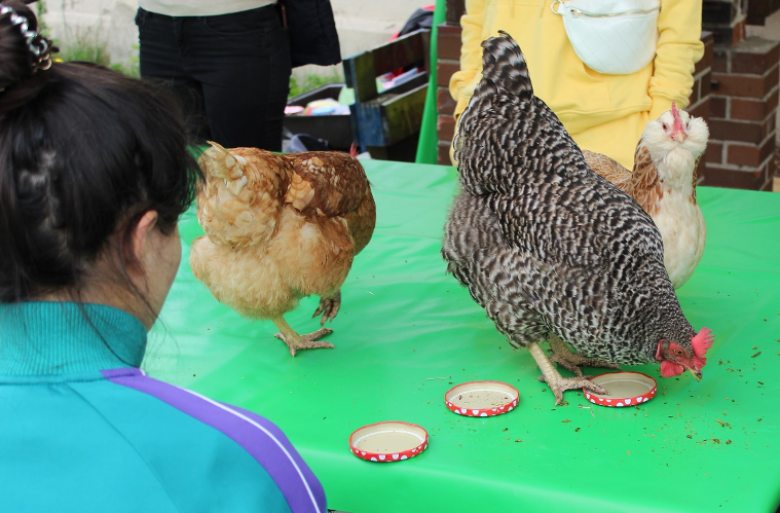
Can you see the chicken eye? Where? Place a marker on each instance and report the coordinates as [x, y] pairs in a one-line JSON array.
[[678, 352], [665, 126]]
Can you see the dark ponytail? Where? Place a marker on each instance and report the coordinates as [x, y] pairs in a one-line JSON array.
[[84, 152]]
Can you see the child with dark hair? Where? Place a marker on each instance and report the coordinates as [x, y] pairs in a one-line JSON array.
[[94, 174]]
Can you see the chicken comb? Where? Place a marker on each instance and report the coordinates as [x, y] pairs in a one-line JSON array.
[[676, 116], [701, 342]]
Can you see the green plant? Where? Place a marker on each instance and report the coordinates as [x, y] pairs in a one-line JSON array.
[[307, 83], [133, 68], [86, 45], [40, 10]]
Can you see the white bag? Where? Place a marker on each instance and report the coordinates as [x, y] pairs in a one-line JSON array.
[[616, 37]]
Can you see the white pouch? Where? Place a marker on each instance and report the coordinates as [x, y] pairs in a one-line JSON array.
[[615, 37]]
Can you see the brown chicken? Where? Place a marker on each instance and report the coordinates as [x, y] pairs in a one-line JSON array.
[[664, 184], [279, 228]]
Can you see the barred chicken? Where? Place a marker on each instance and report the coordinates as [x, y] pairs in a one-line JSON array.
[[664, 183], [550, 249], [279, 228]]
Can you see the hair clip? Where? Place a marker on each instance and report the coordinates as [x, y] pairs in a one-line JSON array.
[[36, 44]]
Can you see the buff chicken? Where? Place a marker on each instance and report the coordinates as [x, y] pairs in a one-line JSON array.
[[664, 183], [551, 250], [279, 228]]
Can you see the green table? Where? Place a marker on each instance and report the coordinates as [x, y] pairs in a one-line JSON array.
[[406, 333]]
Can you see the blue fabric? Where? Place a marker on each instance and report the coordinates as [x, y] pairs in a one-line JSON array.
[[74, 441], [40, 338]]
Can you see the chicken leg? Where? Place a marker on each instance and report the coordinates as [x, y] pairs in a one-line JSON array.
[[298, 342], [329, 308], [558, 384], [563, 356]]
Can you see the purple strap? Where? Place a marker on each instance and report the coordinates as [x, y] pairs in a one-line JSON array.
[[258, 436]]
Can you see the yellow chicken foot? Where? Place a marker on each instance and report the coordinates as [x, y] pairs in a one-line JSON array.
[[299, 342], [557, 383], [572, 361], [329, 308]]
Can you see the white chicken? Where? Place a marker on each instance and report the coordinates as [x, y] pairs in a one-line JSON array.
[[664, 184]]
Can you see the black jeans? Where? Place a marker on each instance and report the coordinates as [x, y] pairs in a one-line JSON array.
[[234, 69]]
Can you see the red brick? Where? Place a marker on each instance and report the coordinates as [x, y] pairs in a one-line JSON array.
[[450, 29], [743, 131], [455, 9], [752, 110], [445, 102], [714, 153], [445, 128], [771, 100], [444, 71], [701, 110], [749, 155], [718, 176], [718, 106], [720, 60], [771, 168], [443, 153], [448, 46], [706, 60], [758, 11], [694, 97], [744, 86], [738, 35], [706, 85], [755, 55]]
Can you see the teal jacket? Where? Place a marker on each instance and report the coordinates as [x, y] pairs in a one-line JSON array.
[[83, 429]]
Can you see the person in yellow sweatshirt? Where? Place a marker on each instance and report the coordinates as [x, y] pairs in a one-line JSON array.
[[602, 113]]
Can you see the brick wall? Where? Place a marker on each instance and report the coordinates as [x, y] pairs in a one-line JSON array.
[[743, 115], [744, 96], [448, 55]]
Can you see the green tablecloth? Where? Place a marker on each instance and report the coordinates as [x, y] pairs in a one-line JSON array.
[[406, 332]]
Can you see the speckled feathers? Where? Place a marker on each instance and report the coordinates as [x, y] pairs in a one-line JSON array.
[[544, 243]]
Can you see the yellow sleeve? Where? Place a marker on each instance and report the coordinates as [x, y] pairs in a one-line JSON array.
[[463, 82], [679, 49]]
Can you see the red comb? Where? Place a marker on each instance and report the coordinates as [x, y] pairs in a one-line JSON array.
[[701, 342], [678, 127]]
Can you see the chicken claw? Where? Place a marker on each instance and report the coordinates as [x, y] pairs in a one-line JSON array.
[[298, 342], [557, 383], [572, 361], [329, 308]]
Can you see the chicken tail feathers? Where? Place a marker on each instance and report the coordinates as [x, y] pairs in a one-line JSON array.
[[504, 67]]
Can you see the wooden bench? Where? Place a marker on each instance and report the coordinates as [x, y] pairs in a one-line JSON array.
[[387, 124]]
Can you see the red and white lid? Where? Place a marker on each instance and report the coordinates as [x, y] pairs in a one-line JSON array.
[[626, 388], [384, 442], [482, 398]]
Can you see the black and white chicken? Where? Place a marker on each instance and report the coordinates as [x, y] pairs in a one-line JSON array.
[[550, 249]]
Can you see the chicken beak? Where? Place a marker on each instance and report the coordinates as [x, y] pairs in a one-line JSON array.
[[679, 136], [696, 373]]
